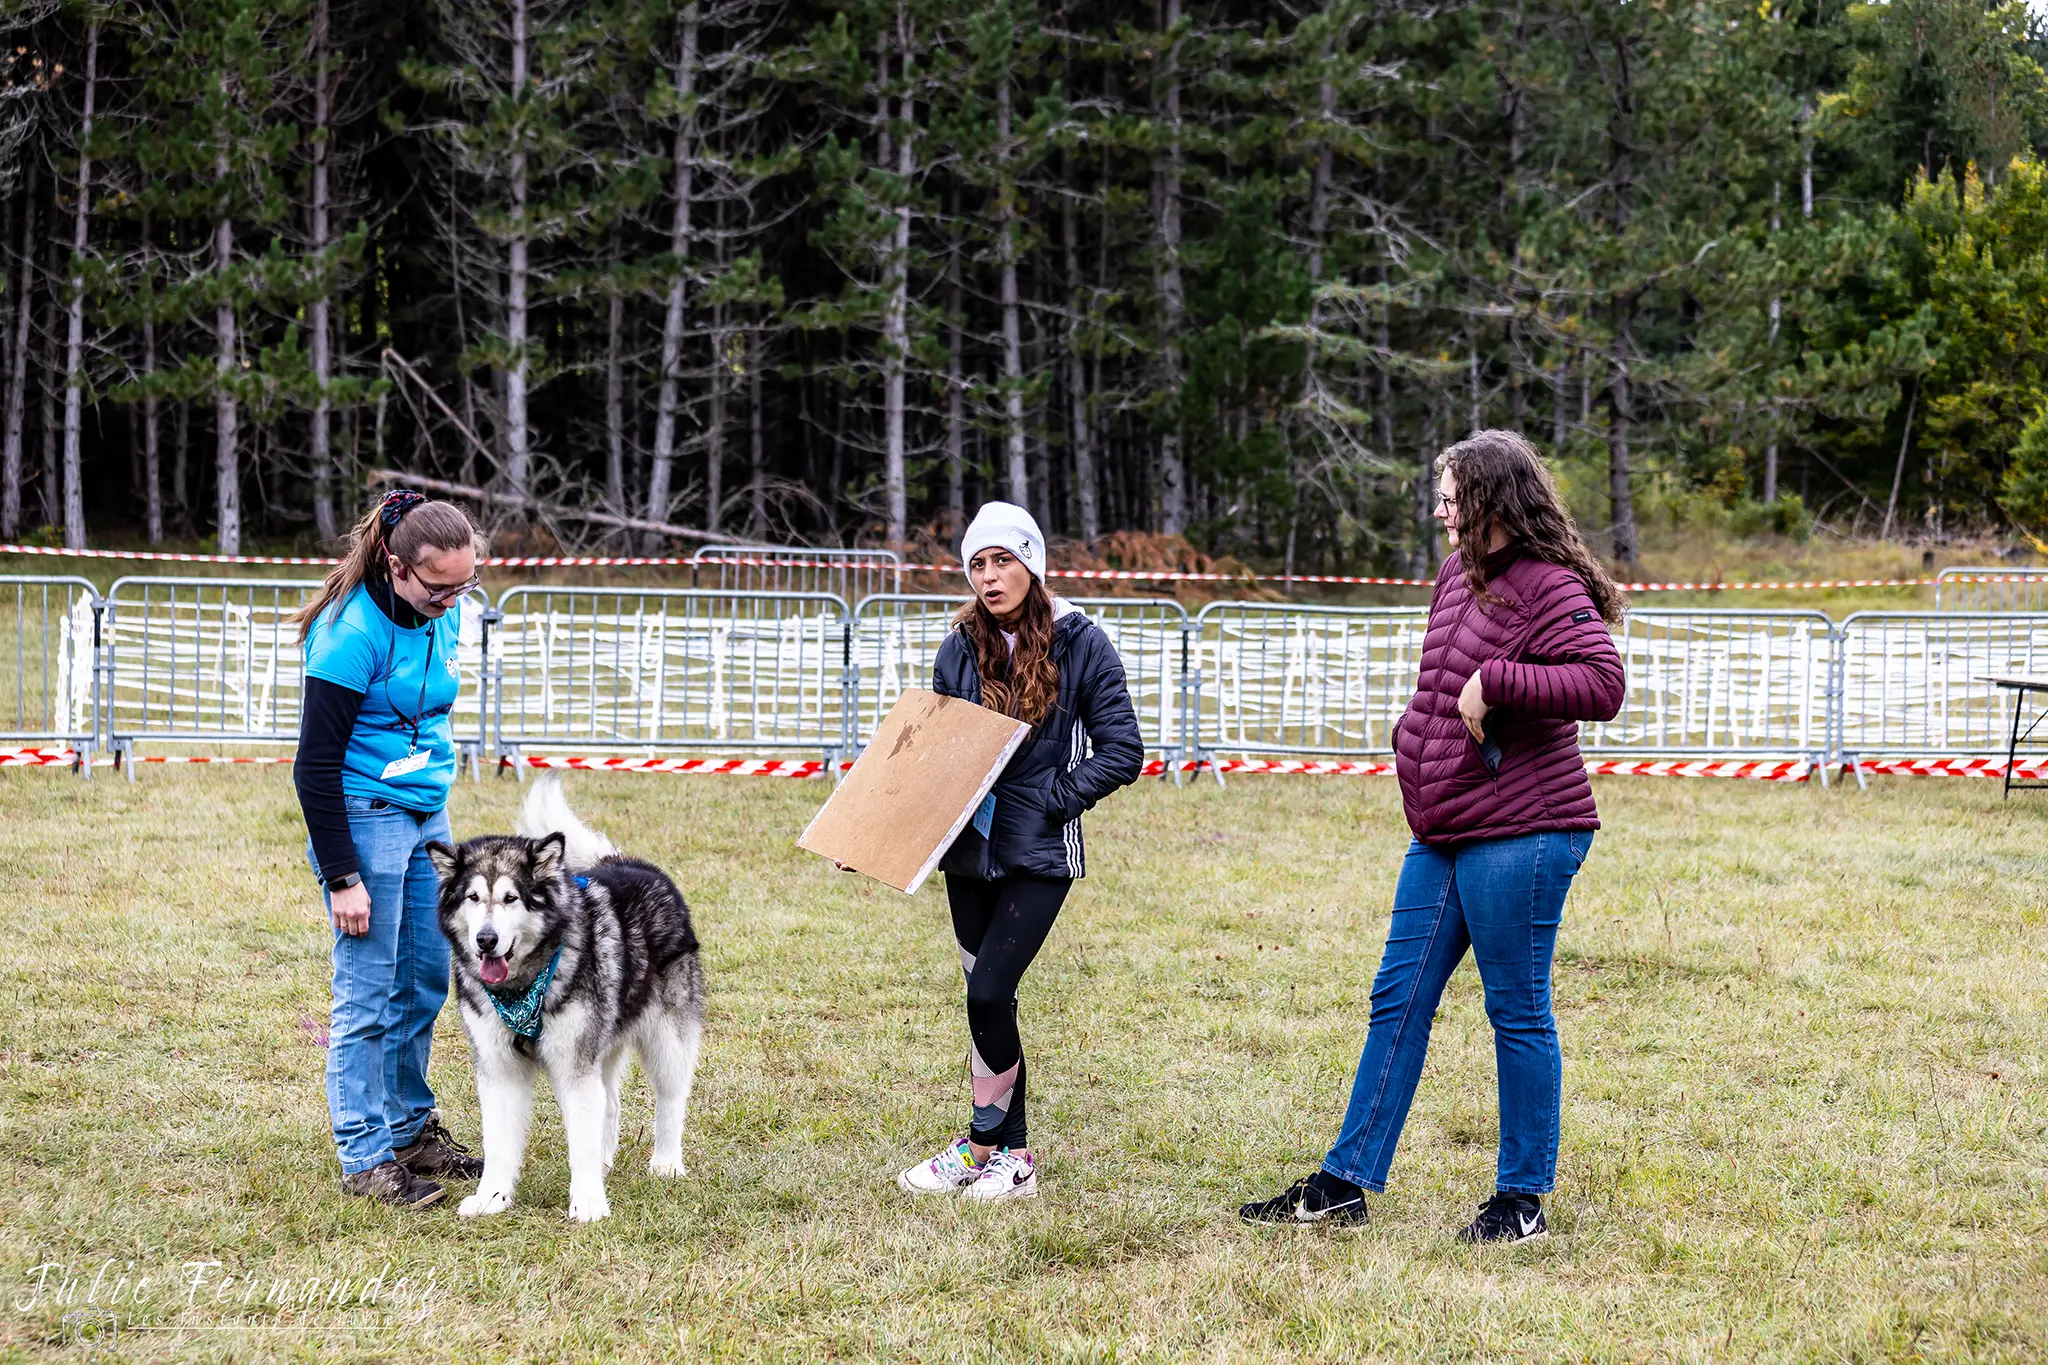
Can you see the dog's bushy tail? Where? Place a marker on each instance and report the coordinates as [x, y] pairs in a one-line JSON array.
[[546, 811]]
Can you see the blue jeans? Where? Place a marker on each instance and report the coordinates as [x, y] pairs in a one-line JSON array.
[[389, 986], [1503, 899]]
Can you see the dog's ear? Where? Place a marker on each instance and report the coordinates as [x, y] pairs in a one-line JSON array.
[[545, 858], [445, 859]]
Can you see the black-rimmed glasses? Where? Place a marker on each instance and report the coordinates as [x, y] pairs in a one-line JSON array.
[[440, 597]]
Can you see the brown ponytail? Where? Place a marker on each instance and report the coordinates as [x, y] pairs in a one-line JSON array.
[[1024, 685], [420, 525]]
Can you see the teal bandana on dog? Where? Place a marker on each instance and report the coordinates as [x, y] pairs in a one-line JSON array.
[[522, 1016]]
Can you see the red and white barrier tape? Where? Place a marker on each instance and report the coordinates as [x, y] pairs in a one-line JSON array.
[[1772, 770], [2023, 770], [1759, 770], [1080, 575], [38, 758], [1323, 767], [737, 767], [164, 556], [1768, 770], [68, 758], [206, 758]]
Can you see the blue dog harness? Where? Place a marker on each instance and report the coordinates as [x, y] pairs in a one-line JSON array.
[[522, 1015]]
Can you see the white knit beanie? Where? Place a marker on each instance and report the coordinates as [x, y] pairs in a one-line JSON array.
[[1007, 526]]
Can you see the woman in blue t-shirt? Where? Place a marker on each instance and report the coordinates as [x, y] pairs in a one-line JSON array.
[[376, 759]]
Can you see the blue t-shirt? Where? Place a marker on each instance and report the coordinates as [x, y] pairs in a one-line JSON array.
[[405, 676]]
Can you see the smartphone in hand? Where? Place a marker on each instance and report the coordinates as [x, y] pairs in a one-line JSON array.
[[1489, 746]]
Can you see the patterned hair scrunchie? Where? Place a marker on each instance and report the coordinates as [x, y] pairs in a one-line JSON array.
[[397, 503]]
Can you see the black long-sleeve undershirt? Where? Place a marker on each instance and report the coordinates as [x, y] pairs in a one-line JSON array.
[[327, 717]]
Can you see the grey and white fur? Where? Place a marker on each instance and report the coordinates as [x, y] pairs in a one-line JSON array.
[[629, 980]]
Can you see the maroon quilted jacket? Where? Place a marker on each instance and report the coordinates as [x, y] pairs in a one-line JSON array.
[[1546, 662]]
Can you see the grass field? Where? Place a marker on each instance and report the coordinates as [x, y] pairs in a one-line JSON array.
[[1805, 1116]]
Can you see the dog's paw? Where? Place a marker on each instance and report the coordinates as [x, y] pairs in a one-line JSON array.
[[484, 1202], [667, 1166], [588, 1208]]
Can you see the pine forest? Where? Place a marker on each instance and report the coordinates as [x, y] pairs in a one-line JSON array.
[[640, 273]]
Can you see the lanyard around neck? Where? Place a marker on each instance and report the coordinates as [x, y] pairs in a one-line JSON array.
[[426, 673]]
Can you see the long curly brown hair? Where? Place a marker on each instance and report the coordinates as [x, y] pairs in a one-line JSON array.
[[1024, 685], [1504, 485]]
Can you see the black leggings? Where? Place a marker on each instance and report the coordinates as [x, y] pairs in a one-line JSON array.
[[1000, 926]]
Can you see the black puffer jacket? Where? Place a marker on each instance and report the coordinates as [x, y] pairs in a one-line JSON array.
[[1087, 748]]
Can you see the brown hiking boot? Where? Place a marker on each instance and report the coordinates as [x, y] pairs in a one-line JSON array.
[[390, 1183], [435, 1152]]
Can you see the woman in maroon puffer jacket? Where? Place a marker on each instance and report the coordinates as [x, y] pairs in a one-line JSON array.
[[1516, 655]]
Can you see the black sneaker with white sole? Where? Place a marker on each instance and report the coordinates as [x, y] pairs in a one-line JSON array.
[[1319, 1198], [1507, 1218]]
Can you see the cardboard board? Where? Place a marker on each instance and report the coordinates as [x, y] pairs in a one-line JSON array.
[[932, 761]]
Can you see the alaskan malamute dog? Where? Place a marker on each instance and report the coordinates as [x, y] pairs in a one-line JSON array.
[[566, 956]]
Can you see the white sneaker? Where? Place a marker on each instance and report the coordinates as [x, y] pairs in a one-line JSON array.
[[1006, 1175], [950, 1172]]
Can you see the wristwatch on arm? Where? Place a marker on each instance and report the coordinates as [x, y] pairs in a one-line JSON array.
[[344, 883]]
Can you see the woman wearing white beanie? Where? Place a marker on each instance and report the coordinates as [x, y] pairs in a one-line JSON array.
[[1017, 649]]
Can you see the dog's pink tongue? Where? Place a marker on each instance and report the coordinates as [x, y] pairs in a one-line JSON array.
[[493, 970]]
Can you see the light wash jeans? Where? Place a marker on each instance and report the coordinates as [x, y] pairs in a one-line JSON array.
[[389, 986], [1503, 899]]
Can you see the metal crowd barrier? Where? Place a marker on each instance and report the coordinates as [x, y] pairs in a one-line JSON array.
[[1910, 684], [217, 661], [846, 574], [50, 696], [197, 660], [1721, 684], [1273, 678], [623, 669], [1332, 682], [1991, 590], [896, 637]]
